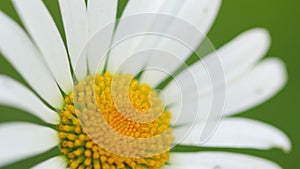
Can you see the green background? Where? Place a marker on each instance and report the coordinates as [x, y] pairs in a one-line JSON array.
[[279, 17]]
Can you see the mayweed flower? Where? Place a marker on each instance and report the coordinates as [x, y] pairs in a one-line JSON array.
[[110, 109]]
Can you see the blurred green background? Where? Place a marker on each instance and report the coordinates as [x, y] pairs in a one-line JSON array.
[[280, 17]]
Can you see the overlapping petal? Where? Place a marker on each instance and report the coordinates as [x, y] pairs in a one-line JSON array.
[[46, 36], [20, 51], [22, 140]]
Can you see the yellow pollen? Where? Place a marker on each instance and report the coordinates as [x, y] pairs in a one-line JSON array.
[[93, 97]]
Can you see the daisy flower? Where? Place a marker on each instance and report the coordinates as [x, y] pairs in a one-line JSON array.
[[104, 97]]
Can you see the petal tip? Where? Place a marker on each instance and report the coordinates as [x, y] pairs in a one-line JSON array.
[[286, 146], [263, 35], [279, 67]]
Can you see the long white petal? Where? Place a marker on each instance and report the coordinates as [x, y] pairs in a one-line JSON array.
[[185, 98], [216, 160], [163, 24], [16, 95], [186, 106], [102, 17], [101, 13], [23, 140], [57, 162], [241, 133], [198, 14], [19, 50], [128, 27], [46, 36], [242, 53], [246, 87], [255, 87], [235, 58], [75, 22]]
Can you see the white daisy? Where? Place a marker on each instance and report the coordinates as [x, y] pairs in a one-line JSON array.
[[43, 60]]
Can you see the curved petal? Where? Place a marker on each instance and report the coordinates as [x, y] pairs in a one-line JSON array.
[[45, 34], [242, 53], [215, 160], [26, 58], [256, 86], [23, 140], [241, 133], [57, 162], [253, 88], [127, 27], [238, 56], [75, 22], [151, 28], [101, 13], [102, 17], [184, 94], [199, 14], [16, 95]]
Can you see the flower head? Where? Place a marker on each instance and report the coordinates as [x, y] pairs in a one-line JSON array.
[[119, 93]]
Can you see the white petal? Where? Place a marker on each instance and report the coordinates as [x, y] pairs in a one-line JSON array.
[[187, 106], [218, 160], [19, 50], [241, 133], [256, 86], [200, 14], [23, 140], [185, 97], [101, 13], [247, 91], [16, 95], [151, 59], [44, 32], [235, 58], [136, 7], [102, 17], [75, 22], [58, 162], [242, 53], [159, 25], [128, 26]]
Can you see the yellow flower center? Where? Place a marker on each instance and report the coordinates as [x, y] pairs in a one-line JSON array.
[[134, 133]]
